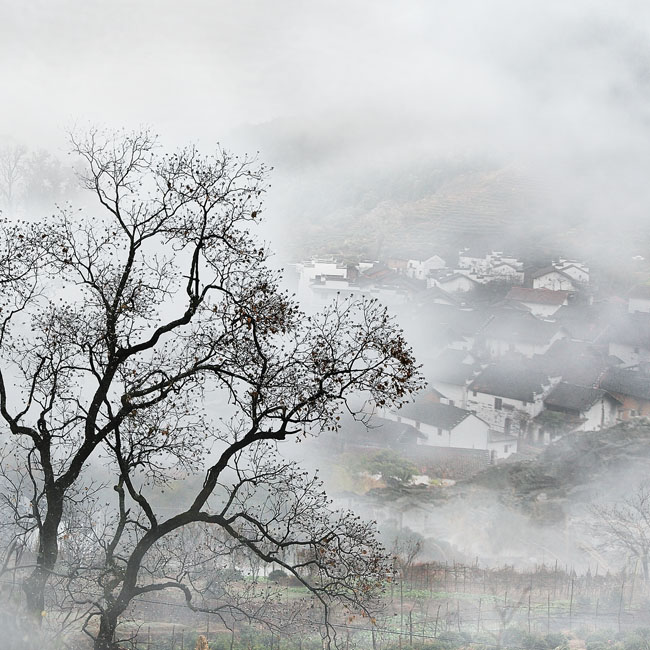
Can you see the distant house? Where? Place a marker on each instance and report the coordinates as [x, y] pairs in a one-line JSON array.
[[520, 332], [552, 278], [374, 280], [420, 269], [505, 271], [576, 270], [541, 302], [631, 386], [508, 395], [473, 259], [453, 282], [489, 266], [639, 299], [444, 425], [587, 408], [308, 271]]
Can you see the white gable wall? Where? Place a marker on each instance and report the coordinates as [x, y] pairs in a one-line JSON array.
[[600, 415], [470, 433], [579, 273], [502, 448], [554, 281], [542, 309], [518, 412], [460, 284]]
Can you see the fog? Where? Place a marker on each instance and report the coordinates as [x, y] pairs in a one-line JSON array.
[[334, 94], [399, 131]]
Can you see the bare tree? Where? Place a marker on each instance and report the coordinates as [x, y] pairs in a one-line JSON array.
[[115, 328], [625, 525]]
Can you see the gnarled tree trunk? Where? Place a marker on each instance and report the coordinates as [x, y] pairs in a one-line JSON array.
[[48, 552]]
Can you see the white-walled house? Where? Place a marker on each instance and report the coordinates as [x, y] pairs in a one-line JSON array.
[[472, 260], [443, 425], [321, 268], [551, 278], [489, 266], [576, 270], [420, 269], [541, 302], [505, 271], [587, 408], [501, 445], [452, 282], [508, 395]]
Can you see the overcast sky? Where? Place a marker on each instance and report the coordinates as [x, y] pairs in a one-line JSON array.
[[560, 89]]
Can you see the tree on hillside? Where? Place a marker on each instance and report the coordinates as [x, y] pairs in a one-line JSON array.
[[625, 525], [13, 160], [115, 328], [33, 181]]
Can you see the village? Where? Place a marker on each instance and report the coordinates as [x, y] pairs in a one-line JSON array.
[[514, 355]]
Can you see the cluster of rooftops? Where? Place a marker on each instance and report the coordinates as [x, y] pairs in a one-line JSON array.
[[552, 338]]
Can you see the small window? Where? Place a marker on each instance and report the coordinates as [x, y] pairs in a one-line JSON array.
[[439, 431], [632, 413], [498, 403], [505, 449], [451, 402], [474, 393]]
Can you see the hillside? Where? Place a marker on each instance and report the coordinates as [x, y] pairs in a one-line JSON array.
[[573, 469]]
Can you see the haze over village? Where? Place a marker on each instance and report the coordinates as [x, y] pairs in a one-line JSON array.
[[411, 238]]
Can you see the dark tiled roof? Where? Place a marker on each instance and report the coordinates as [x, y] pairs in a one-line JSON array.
[[454, 276], [577, 362], [444, 416], [538, 296], [515, 326], [626, 381], [551, 269], [514, 379], [573, 398]]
